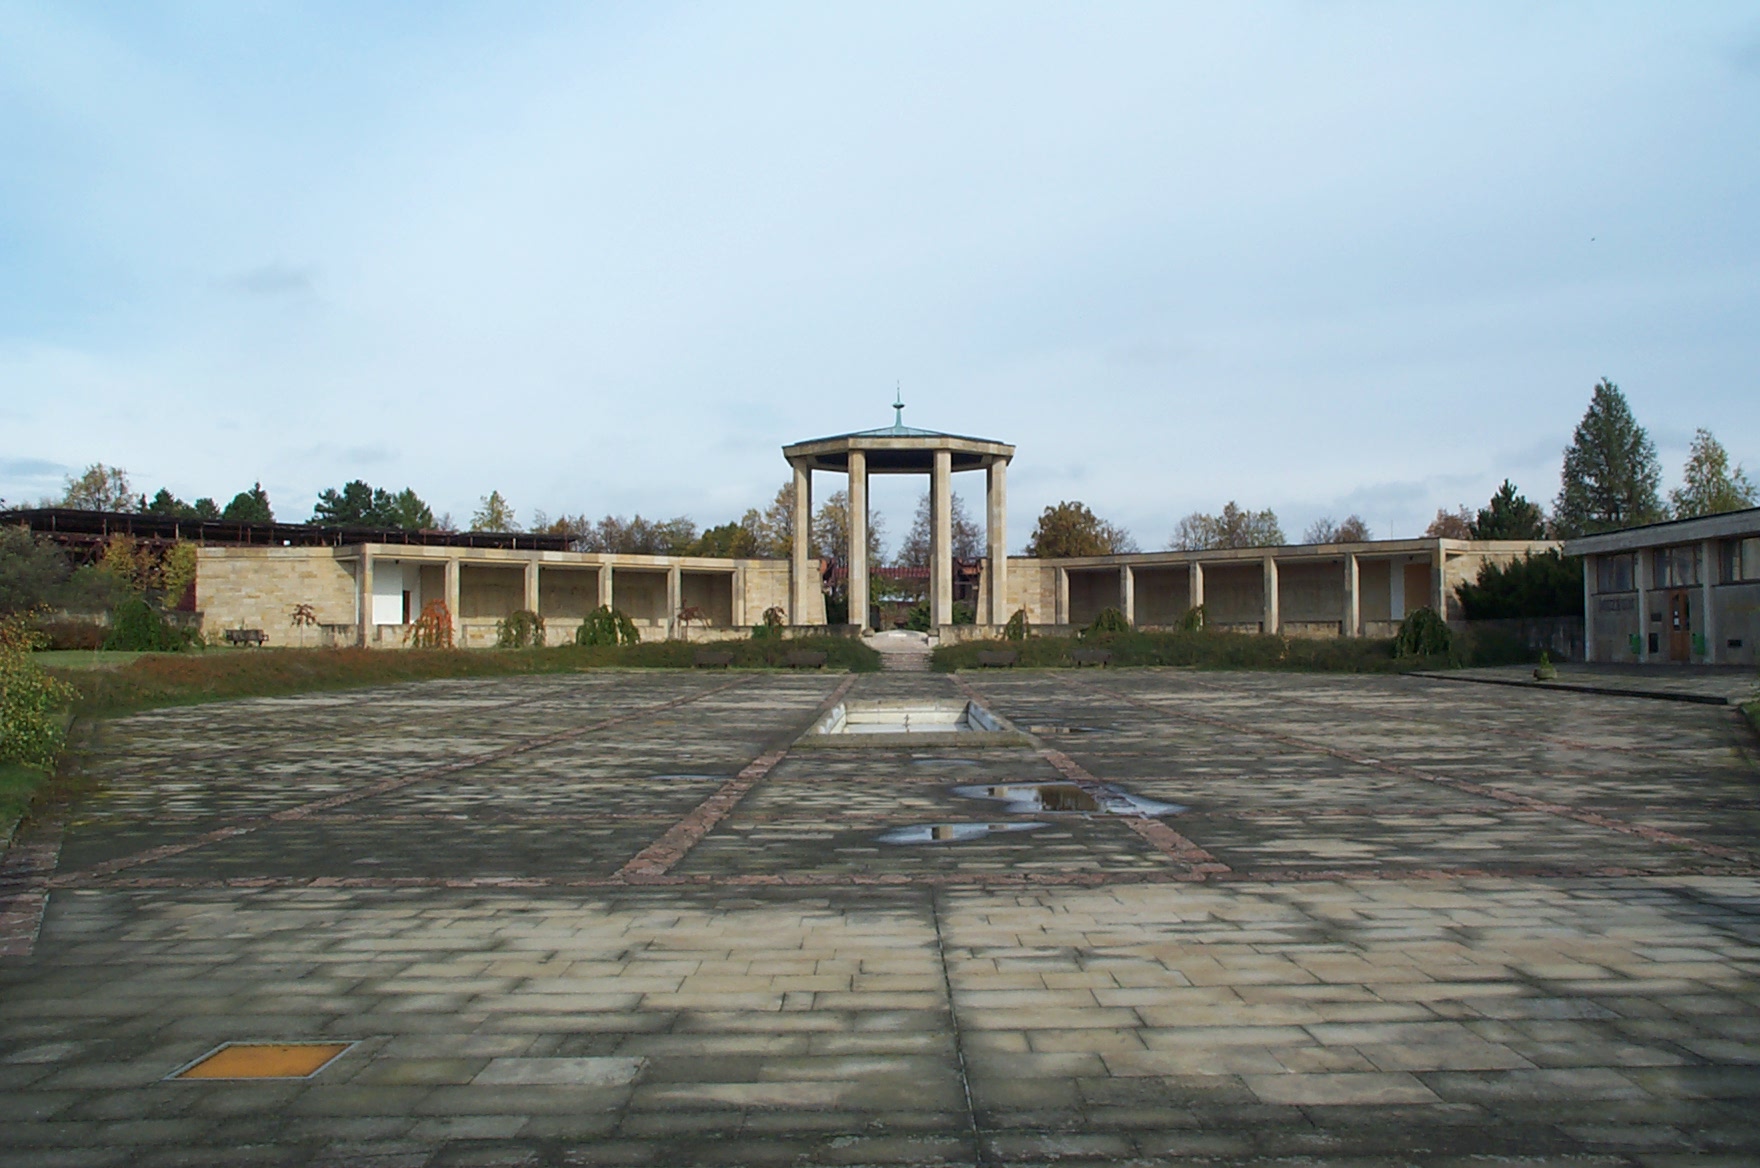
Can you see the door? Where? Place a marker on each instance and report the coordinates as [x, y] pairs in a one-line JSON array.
[[1680, 626]]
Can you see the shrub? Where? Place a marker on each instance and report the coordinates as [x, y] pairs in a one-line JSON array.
[[138, 626], [964, 614], [771, 628], [1423, 634], [607, 626], [1016, 628], [433, 628], [1110, 620], [1549, 584], [31, 728], [71, 634], [1205, 650], [918, 618], [520, 629], [1193, 620]]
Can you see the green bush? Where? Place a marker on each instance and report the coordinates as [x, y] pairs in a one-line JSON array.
[[1205, 650], [137, 626], [1110, 621], [1549, 584], [1016, 628], [32, 730], [607, 626], [1193, 620], [771, 628], [1423, 634], [521, 629], [918, 618]]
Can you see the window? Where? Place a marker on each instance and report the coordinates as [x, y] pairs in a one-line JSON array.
[[1741, 560], [1614, 573], [1677, 567]]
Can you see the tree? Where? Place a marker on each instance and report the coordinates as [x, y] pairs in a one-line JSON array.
[[772, 529], [730, 540], [1611, 474], [250, 506], [1548, 584], [1456, 524], [1070, 529], [360, 505], [1509, 516], [493, 514], [635, 536], [100, 488], [831, 530], [1708, 487], [919, 541], [171, 507], [1231, 528], [1324, 530]]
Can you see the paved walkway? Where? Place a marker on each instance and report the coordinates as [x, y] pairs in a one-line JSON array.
[[613, 919], [1715, 684]]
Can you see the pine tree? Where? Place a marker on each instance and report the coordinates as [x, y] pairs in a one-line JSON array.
[[1709, 487], [1509, 516], [1611, 475], [250, 506]]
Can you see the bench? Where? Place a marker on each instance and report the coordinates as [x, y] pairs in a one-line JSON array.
[[1083, 657], [997, 658], [256, 637], [713, 659], [805, 659]]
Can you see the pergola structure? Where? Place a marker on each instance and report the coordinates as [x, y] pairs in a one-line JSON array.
[[899, 449]]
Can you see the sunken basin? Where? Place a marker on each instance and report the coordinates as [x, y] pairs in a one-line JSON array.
[[898, 723]]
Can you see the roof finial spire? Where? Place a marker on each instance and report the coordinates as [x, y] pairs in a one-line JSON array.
[[898, 407]]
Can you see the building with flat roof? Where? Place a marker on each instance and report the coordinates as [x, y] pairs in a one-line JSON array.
[[1683, 591]]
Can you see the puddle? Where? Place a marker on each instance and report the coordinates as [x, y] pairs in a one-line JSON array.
[[951, 833], [1101, 798], [1061, 728], [919, 760]]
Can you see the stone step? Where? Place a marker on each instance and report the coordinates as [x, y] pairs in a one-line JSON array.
[[904, 662]]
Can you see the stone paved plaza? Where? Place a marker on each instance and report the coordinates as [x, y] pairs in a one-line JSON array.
[[621, 918]]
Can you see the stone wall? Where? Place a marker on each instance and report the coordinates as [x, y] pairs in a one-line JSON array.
[[257, 588]]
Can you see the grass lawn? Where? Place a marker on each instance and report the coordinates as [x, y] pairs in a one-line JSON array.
[[17, 786], [175, 679], [1752, 709], [85, 658]]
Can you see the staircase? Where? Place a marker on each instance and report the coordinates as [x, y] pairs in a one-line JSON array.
[[901, 651]]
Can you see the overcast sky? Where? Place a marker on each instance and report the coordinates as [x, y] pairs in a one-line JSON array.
[[1322, 258]]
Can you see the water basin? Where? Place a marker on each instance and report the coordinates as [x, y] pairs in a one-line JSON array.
[[950, 833], [895, 723], [1093, 798]]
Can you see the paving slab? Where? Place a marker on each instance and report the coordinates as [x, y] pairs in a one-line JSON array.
[[614, 918]]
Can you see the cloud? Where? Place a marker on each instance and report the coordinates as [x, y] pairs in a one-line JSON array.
[[272, 280], [32, 468]]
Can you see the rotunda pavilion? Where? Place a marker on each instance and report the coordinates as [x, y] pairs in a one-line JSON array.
[[901, 449]]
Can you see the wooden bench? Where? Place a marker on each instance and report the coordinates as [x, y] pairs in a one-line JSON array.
[[253, 637], [1083, 657], [713, 659], [805, 659], [997, 658]]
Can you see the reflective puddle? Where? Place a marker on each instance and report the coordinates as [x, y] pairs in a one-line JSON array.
[[951, 833], [1034, 798]]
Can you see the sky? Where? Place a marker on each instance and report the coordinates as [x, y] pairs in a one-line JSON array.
[[609, 258]]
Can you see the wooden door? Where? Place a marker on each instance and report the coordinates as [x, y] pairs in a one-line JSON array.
[[1680, 626]]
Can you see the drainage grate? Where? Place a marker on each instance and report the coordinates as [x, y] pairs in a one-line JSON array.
[[263, 1060]]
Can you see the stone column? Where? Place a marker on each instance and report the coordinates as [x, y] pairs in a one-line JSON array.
[[1270, 622], [1590, 568], [941, 558], [738, 604], [1195, 584], [606, 596], [674, 598], [858, 539], [452, 574], [1642, 559], [1708, 568], [996, 537], [1127, 594], [1353, 600], [365, 584], [800, 579], [1439, 582], [1062, 600], [532, 584]]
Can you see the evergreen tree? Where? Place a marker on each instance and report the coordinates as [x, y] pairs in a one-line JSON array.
[[250, 506], [1509, 516], [1611, 475], [360, 505], [1709, 487]]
